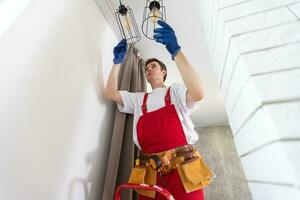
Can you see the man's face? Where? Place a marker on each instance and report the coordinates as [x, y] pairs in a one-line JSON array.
[[153, 72]]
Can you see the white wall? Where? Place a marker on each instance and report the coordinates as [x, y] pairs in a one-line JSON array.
[[254, 46], [9, 11], [54, 123]]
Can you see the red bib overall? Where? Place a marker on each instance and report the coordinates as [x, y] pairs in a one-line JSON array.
[[158, 131]]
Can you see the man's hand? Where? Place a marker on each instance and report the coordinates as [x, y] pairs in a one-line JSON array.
[[166, 36], [120, 52]]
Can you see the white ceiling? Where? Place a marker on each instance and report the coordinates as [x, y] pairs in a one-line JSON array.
[[184, 17]]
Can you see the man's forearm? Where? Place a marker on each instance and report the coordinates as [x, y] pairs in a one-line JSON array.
[[190, 77], [112, 82]]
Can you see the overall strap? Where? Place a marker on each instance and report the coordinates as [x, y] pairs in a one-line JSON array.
[[144, 106], [168, 97]]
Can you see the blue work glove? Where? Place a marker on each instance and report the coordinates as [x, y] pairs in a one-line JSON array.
[[166, 36], [120, 52]]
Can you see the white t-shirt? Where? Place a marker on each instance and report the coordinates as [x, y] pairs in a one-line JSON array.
[[156, 100]]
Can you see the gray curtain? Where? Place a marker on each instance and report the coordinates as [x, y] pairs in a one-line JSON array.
[[122, 150]]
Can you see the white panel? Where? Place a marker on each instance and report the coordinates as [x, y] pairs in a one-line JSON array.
[[248, 102], [239, 79], [281, 35], [229, 66], [221, 49], [286, 117], [261, 20], [277, 121], [248, 24], [258, 131], [295, 9], [226, 3], [261, 191], [278, 163], [251, 7], [278, 86], [274, 59], [215, 24], [218, 35], [271, 44]]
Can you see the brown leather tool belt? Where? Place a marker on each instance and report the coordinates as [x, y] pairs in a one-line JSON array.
[[166, 161]]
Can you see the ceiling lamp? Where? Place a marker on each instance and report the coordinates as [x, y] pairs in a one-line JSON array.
[[127, 24], [154, 11]]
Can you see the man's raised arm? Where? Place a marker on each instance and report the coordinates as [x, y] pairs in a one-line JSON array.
[[166, 36], [111, 91]]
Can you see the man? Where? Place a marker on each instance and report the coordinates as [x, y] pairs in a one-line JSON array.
[[161, 121]]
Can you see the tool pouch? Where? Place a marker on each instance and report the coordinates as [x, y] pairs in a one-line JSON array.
[[194, 174], [143, 175], [137, 175]]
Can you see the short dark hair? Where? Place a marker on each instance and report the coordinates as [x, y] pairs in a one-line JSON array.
[[162, 65]]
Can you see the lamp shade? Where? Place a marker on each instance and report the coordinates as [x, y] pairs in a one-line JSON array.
[[153, 11], [127, 24]]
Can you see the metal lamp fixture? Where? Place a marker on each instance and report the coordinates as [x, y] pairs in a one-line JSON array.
[[127, 24], [154, 11]]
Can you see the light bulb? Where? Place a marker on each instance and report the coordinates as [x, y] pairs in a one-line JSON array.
[[155, 15], [126, 22]]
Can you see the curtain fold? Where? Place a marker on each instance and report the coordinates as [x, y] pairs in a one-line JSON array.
[[122, 150]]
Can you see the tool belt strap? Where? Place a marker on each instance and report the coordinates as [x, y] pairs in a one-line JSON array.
[[170, 158]]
